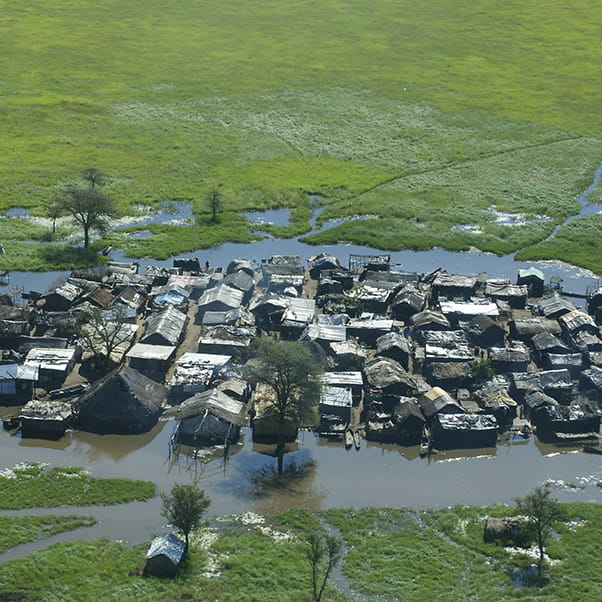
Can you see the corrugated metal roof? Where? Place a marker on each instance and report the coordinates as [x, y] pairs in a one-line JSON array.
[[222, 293], [151, 352], [336, 397], [17, 372], [469, 308], [167, 545], [167, 325], [50, 358], [299, 310], [351, 378]]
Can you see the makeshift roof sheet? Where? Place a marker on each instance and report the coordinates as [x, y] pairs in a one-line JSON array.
[[545, 341], [437, 399], [531, 273], [336, 397], [467, 422], [351, 378], [443, 279], [473, 308], [17, 372], [299, 310], [325, 332], [165, 328], [50, 358], [529, 327], [215, 402], [37, 409], [577, 320], [554, 306], [151, 352], [502, 289], [167, 545], [393, 340], [427, 318], [222, 294]]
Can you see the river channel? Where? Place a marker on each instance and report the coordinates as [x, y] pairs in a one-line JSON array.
[[383, 475]]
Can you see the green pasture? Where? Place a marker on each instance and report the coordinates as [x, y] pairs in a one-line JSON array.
[[430, 113], [393, 554]]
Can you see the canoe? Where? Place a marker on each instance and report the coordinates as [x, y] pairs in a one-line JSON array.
[[356, 439], [348, 439]]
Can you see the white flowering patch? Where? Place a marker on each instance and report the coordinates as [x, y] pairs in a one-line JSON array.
[[532, 552], [258, 522], [24, 470]]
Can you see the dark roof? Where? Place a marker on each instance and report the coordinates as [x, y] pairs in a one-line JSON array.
[[123, 386], [167, 545], [435, 400]]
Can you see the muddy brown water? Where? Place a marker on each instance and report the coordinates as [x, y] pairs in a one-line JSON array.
[[376, 475]]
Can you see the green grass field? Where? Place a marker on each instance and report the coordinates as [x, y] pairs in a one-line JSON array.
[[434, 112], [393, 554]]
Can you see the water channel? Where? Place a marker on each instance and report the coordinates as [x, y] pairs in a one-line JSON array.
[[375, 475]]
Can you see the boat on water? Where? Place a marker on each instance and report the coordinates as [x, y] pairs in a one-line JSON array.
[[592, 449], [348, 438], [11, 422], [356, 439]]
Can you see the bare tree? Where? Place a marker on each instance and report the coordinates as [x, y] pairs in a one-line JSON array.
[[103, 332], [184, 508], [89, 207], [54, 210], [542, 511], [216, 203], [323, 553]]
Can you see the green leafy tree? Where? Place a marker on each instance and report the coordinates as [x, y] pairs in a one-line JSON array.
[[323, 553], [291, 373], [94, 177], [542, 512], [481, 369], [184, 508]]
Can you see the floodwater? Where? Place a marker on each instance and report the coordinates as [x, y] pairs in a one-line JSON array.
[[375, 475]]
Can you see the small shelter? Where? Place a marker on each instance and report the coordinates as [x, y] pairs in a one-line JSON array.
[[164, 328], [396, 346], [408, 301], [53, 364], [194, 373], [41, 418], [438, 401], [464, 430], [210, 418], [533, 279], [164, 556], [453, 286], [219, 298], [484, 331], [16, 383], [526, 328], [152, 360], [430, 320], [388, 377], [510, 359], [554, 306], [513, 294], [122, 402]]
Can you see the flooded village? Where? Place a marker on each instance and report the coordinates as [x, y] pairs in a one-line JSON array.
[[434, 361]]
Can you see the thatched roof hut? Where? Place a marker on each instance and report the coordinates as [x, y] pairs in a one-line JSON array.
[[122, 402]]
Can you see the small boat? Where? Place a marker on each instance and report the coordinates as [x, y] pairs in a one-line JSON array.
[[11, 422], [592, 449], [356, 439], [348, 439]]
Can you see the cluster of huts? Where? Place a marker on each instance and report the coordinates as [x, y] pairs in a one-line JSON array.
[[454, 357]]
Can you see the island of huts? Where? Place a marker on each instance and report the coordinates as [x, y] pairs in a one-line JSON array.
[[438, 360]]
